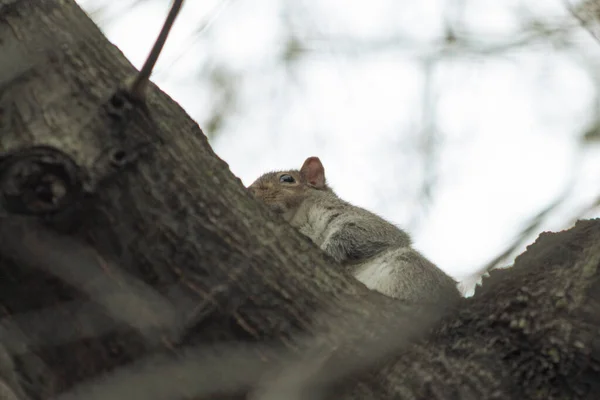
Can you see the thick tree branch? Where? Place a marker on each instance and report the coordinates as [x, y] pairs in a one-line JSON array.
[[170, 216]]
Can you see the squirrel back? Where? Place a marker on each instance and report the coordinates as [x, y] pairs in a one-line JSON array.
[[376, 252]]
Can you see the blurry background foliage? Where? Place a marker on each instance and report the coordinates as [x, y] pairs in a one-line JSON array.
[[474, 124]]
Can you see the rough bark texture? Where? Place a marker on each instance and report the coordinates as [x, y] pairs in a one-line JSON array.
[[530, 332], [134, 240]]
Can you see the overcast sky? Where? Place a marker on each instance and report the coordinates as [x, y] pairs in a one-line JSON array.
[[505, 125]]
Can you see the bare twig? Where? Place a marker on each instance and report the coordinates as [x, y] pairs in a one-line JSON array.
[[203, 27], [139, 86], [585, 23], [534, 223]]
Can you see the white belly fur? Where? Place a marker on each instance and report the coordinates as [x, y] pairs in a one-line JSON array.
[[377, 274]]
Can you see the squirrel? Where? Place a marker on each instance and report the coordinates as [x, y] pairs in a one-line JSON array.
[[374, 251]]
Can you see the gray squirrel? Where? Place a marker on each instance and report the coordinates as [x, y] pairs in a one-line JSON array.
[[375, 252]]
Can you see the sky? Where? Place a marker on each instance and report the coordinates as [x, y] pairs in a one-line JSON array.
[[370, 87]]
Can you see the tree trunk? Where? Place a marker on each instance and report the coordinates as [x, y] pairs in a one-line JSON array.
[[134, 264]]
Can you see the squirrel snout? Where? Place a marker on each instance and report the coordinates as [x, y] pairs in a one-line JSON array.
[[255, 190], [258, 189]]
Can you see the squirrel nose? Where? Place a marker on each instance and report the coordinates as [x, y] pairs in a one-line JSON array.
[[253, 190]]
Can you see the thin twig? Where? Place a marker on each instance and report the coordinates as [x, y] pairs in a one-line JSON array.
[[140, 83], [584, 24]]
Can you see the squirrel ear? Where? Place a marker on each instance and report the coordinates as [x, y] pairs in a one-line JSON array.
[[313, 173]]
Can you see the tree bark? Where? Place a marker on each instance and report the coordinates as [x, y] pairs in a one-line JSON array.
[[134, 264]]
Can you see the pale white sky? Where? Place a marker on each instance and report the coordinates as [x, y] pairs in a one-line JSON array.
[[506, 124]]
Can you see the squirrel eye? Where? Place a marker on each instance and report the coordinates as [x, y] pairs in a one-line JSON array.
[[287, 178]]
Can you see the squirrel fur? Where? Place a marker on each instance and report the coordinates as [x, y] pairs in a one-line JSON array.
[[375, 252]]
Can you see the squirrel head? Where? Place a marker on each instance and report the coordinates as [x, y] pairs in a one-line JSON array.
[[284, 191]]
